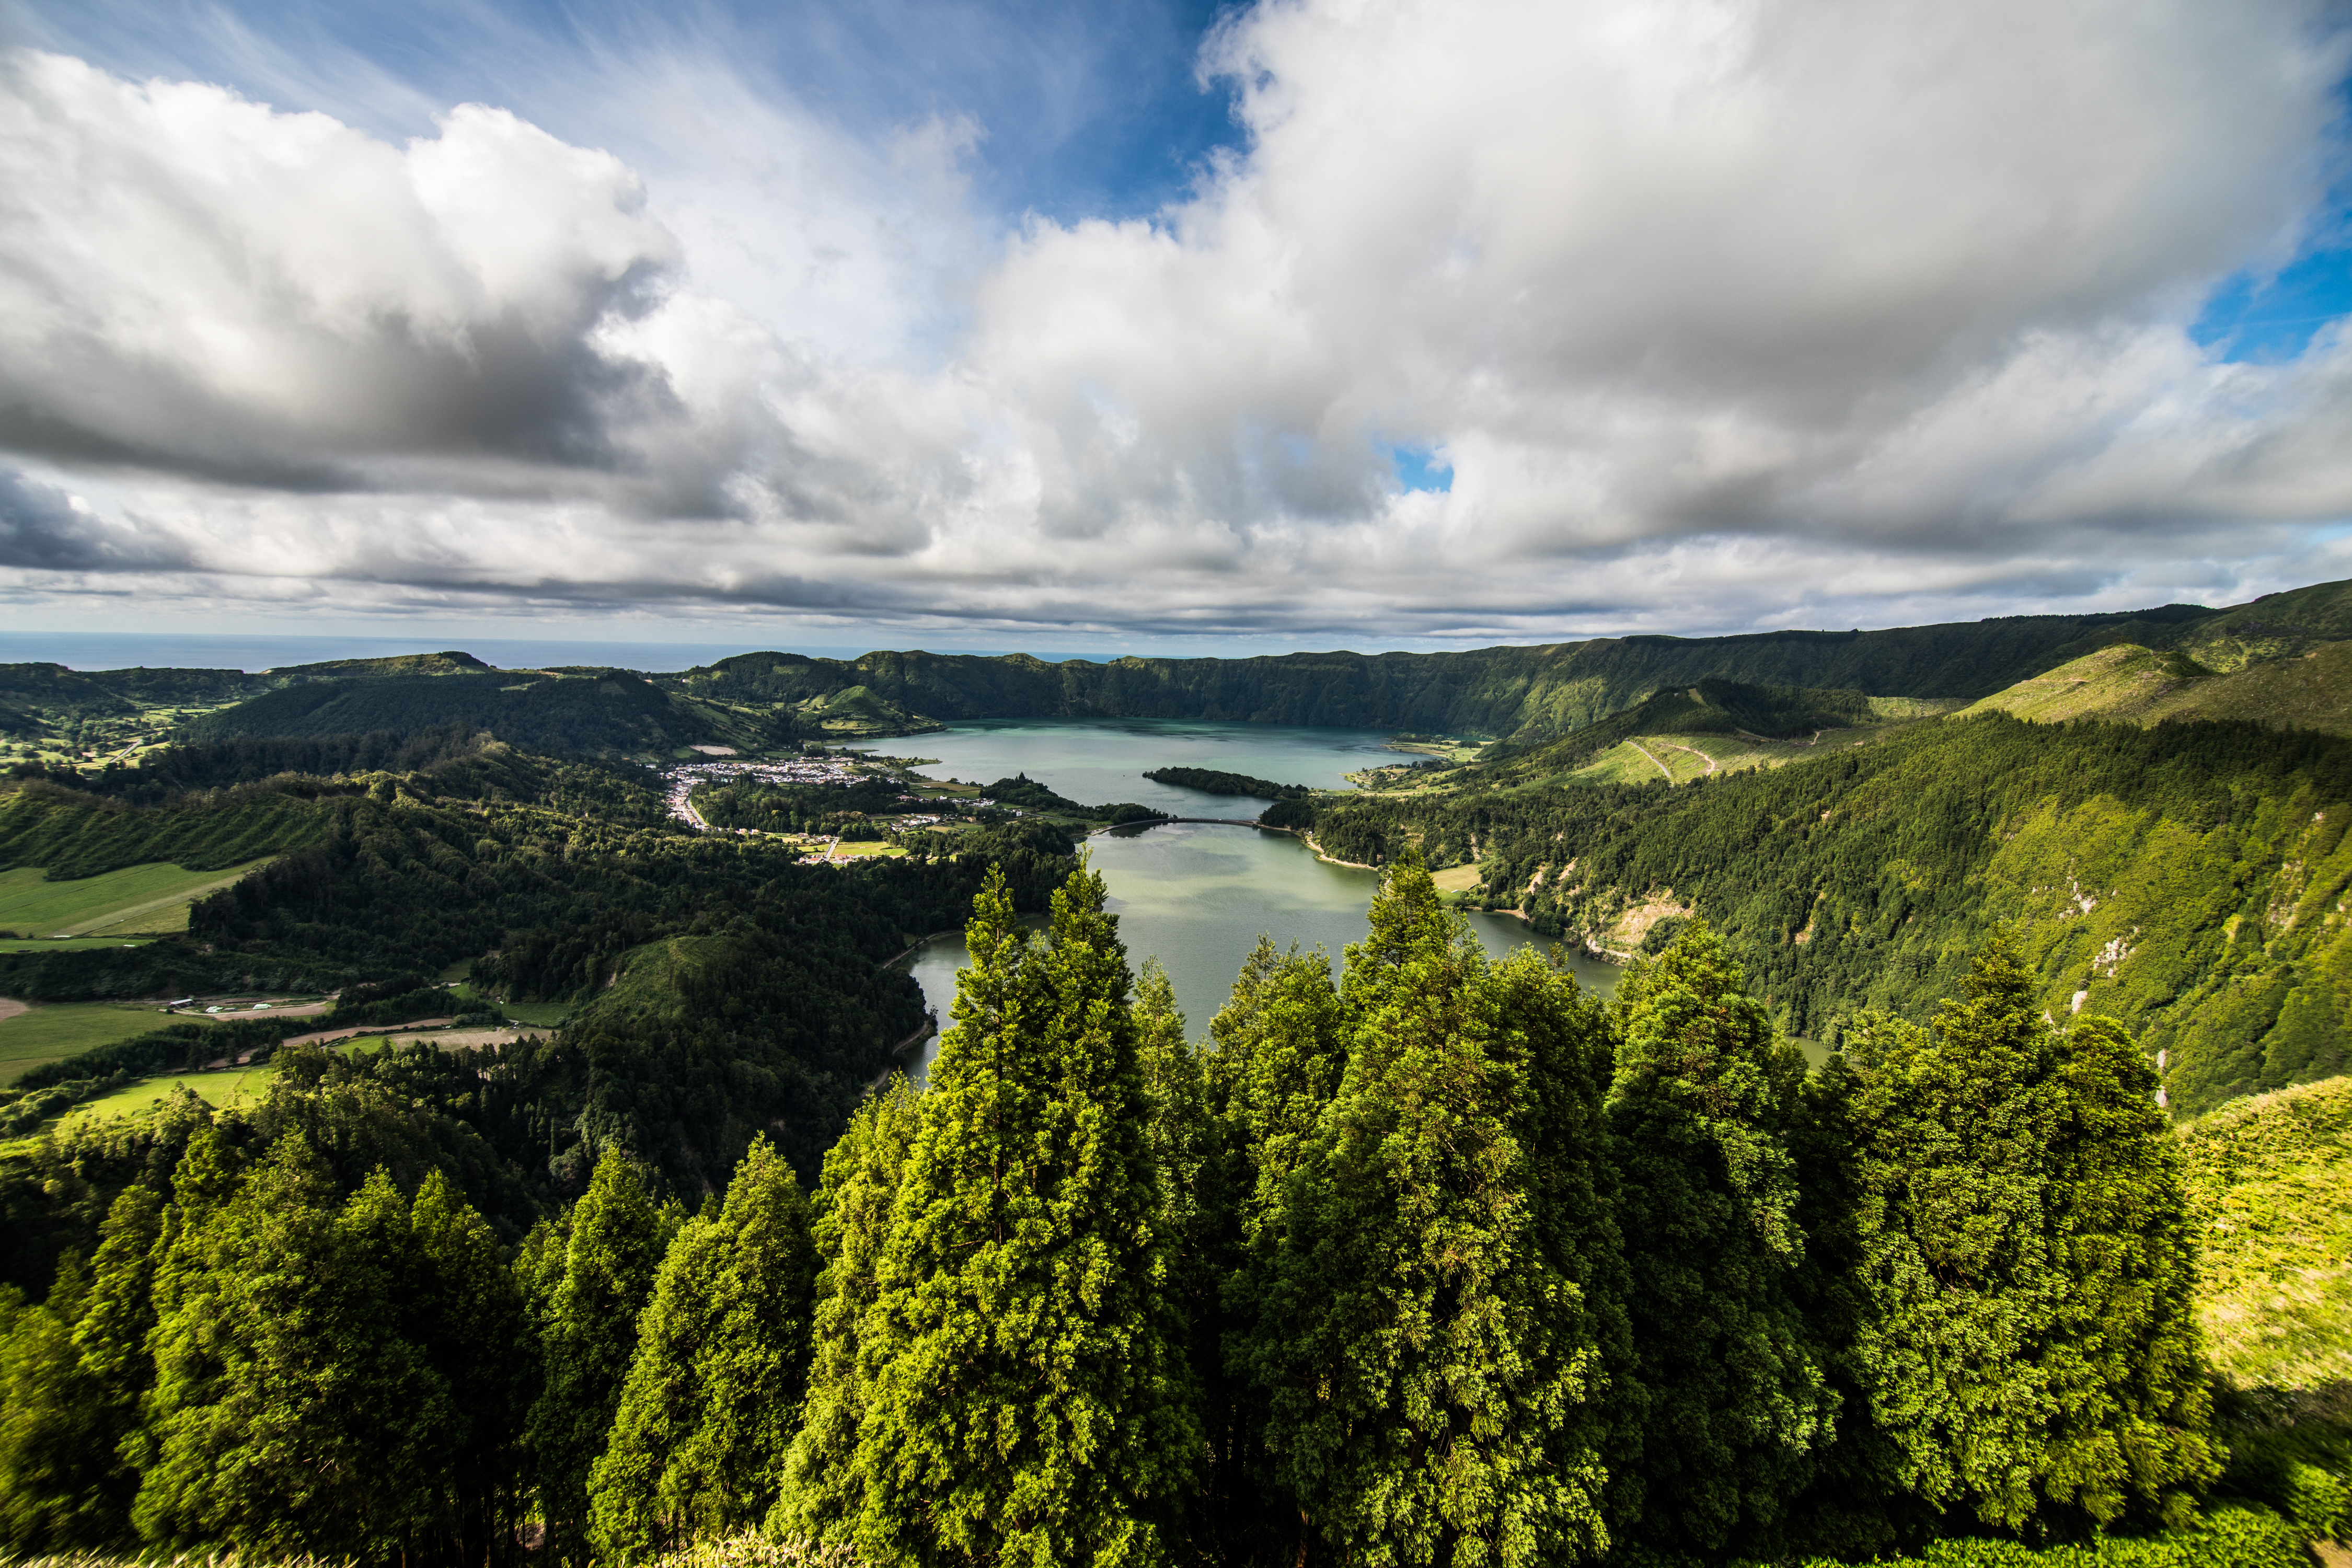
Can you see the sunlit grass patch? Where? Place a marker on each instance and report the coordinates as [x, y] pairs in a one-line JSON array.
[[135, 900], [46, 1034]]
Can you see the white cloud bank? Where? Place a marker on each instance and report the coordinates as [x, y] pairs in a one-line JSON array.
[[1722, 314]]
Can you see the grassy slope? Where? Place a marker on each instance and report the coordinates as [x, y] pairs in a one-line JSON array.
[[136, 899], [48, 1034], [2144, 686], [2272, 1181], [2275, 626], [1712, 728]]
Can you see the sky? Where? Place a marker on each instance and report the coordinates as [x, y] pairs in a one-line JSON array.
[[1165, 327]]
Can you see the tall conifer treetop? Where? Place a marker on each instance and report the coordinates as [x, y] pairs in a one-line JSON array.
[[821, 1494], [1420, 1353], [2026, 1257], [698, 1444], [1700, 1108], [1029, 1402]]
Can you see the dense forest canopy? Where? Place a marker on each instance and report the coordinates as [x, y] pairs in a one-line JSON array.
[[1441, 1261]]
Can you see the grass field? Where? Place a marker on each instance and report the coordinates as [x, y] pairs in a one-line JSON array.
[[538, 1015], [137, 899], [46, 1033], [242, 1087], [62, 944], [2271, 1180]]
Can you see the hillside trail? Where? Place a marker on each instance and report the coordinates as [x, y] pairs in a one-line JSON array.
[[1654, 762], [1694, 751]]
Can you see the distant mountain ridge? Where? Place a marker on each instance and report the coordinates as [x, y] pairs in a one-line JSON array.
[[1526, 694]]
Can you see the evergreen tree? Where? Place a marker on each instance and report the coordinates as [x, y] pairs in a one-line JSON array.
[[1427, 1363], [1852, 1509], [1028, 1402], [1279, 1044], [2026, 1254], [469, 1316], [291, 1412], [2126, 1366], [1200, 1192], [50, 1450], [698, 1445], [1701, 1106], [1562, 1035], [72, 1372], [1955, 1219], [851, 1222], [588, 1334]]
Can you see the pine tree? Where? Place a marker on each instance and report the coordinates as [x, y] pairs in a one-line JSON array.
[[2027, 1257], [1028, 1402], [291, 1412], [50, 1450], [1955, 1217], [1851, 1508], [588, 1333], [1279, 1044], [1200, 1186], [468, 1314], [698, 1445], [72, 1373], [2125, 1364], [1700, 1107], [1427, 1364], [851, 1222]]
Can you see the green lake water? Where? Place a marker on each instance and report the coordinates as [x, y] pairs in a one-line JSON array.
[[1195, 896]]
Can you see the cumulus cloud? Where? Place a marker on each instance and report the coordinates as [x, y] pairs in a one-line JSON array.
[[1721, 313]]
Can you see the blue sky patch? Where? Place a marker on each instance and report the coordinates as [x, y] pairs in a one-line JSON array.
[[2270, 321], [1421, 468]]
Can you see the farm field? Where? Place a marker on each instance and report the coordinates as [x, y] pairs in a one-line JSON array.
[[45, 1034], [61, 945], [135, 900], [220, 1089]]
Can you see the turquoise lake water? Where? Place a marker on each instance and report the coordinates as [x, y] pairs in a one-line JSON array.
[[1195, 896]]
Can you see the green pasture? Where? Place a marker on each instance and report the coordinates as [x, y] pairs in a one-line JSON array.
[[60, 945], [137, 899], [46, 1033], [241, 1086], [538, 1015]]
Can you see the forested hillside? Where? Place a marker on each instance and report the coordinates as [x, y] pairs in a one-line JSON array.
[[591, 712], [1438, 1260], [2185, 879], [1497, 691], [1529, 693], [727, 986]]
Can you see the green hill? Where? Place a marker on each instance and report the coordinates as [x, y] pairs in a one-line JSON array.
[[450, 662], [1730, 708], [589, 712], [2144, 686], [2275, 626], [2184, 879]]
